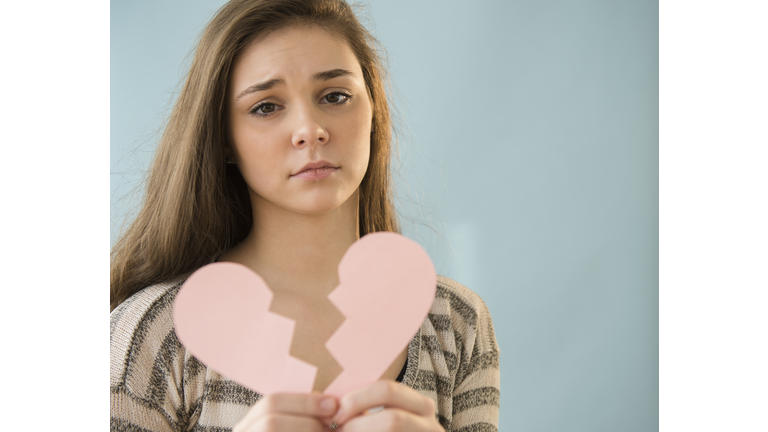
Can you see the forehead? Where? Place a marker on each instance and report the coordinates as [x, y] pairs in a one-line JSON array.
[[292, 53]]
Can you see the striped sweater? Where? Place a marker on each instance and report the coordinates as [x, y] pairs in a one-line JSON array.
[[156, 385]]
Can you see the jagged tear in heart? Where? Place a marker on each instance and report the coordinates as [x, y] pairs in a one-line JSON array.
[[386, 287]]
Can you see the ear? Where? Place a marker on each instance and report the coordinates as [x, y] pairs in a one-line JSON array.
[[229, 155], [228, 149]]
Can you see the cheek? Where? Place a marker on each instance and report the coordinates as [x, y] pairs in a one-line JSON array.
[[259, 162], [362, 138], [358, 151]]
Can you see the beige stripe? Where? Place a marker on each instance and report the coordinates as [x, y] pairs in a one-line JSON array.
[[124, 408], [489, 377], [486, 343], [222, 414], [194, 388], [484, 413], [141, 370], [440, 306]]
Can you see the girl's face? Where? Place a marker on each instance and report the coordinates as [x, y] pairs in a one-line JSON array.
[[300, 120]]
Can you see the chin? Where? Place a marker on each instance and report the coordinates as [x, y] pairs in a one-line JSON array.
[[314, 203], [319, 207], [324, 202]]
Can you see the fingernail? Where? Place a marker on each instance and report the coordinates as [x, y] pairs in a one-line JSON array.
[[328, 405]]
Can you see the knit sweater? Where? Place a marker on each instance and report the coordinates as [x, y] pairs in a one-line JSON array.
[[157, 385]]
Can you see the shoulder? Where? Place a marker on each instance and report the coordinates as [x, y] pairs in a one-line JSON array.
[[141, 330], [458, 328], [458, 295], [155, 381], [465, 312]]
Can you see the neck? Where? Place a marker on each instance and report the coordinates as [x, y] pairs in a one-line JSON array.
[[296, 252]]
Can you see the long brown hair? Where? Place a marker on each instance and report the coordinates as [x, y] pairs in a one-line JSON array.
[[196, 206]]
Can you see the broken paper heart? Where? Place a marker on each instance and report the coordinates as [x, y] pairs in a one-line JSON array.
[[386, 287]]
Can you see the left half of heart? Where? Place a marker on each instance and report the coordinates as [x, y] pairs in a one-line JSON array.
[[222, 317]]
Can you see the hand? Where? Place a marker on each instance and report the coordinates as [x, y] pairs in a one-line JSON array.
[[405, 410], [289, 412]]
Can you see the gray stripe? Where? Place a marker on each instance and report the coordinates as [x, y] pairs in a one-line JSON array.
[[414, 351], [435, 351], [199, 428], [432, 344], [458, 340], [229, 392], [459, 306], [478, 427], [484, 361], [430, 381], [192, 368], [118, 425], [444, 421], [158, 382], [475, 398], [440, 322]]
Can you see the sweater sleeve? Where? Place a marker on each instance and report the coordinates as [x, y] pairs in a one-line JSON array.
[[146, 365], [477, 387]]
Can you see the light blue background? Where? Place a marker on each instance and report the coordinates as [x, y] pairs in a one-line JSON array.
[[529, 172]]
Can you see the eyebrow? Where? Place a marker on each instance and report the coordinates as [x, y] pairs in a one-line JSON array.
[[331, 74], [266, 85], [320, 76]]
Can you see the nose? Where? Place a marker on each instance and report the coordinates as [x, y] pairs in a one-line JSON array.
[[308, 131]]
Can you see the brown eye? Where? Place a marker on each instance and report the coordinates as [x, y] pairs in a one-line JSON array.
[[264, 109], [336, 98]]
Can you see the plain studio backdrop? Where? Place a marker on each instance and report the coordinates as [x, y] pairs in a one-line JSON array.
[[528, 170]]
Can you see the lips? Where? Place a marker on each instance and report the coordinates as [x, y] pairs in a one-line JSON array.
[[316, 170]]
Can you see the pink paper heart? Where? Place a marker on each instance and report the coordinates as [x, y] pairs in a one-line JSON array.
[[387, 285]]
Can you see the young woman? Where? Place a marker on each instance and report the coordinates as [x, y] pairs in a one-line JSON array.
[[276, 156]]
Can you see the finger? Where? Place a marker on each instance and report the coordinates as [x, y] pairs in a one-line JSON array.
[[391, 419], [283, 422], [387, 393], [309, 405]]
